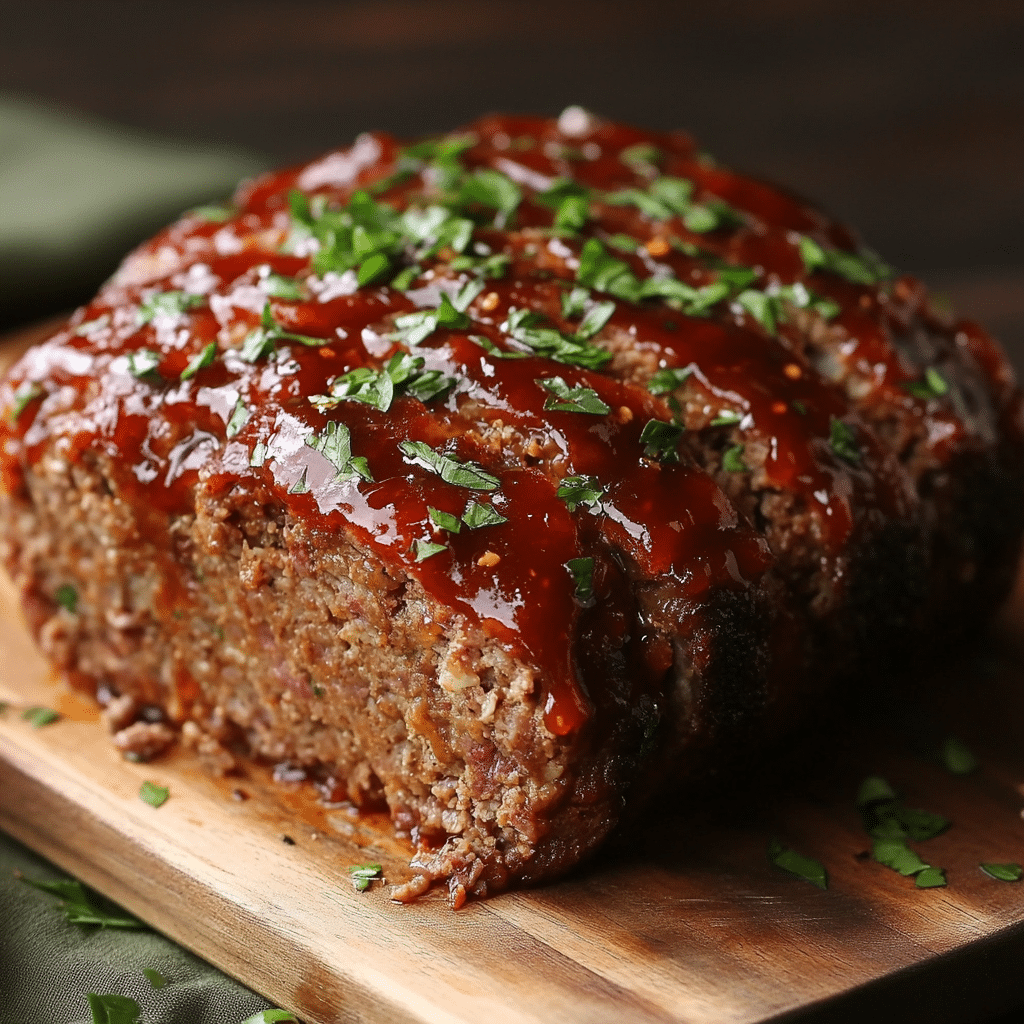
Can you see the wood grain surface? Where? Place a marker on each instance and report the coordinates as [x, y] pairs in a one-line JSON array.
[[685, 921]]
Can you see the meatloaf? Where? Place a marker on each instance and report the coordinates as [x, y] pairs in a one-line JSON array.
[[504, 478]]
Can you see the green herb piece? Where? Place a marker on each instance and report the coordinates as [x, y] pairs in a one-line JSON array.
[[895, 854], [364, 874], [522, 325], [571, 399], [67, 597], [373, 268], [862, 268], [238, 418], [200, 361], [23, 397], [83, 907], [931, 878], [580, 490], [560, 190], [797, 864], [624, 243], [669, 379], [262, 340], [448, 468], [582, 570], [259, 454], [920, 825], [726, 418], [413, 328], [874, 789], [281, 287], [641, 158], [113, 1009], [760, 307], [154, 977], [152, 794], [932, 386], [403, 373], [732, 460], [660, 440], [494, 189], [318, 690], [143, 363], [335, 444], [598, 269], [445, 520], [491, 349], [574, 302], [300, 486], [425, 549], [799, 407], [957, 757], [477, 515], [649, 205], [737, 278], [594, 321], [404, 278], [168, 304], [272, 1017], [215, 213], [486, 267], [843, 441], [466, 294], [572, 213], [701, 219], [37, 717], [827, 309], [1003, 872]]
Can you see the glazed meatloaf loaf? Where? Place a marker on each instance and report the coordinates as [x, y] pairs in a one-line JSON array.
[[502, 478]]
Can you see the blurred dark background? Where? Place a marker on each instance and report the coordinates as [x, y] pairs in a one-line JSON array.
[[904, 118]]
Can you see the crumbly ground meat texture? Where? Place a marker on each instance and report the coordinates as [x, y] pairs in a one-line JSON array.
[[840, 482]]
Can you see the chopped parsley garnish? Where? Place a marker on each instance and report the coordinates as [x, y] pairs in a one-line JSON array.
[[168, 304], [23, 397], [143, 363], [424, 549], [931, 878], [448, 468], [572, 213], [152, 794], [403, 373], [582, 570], [113, 1009], [81, 906], [760, 306], [624, 243], [641, 158], [932, 385], [334, 442], [37, 717], [732, 460], [259, 454], [594, 321], [668, 379], [281, 287], [522, 325], [444, 520], [1003, 872], [599, 269], [957, 757], [895, 854], [213, 212], [262, 340], [560, 190], [300, 486], [571, 399], [477, 515], [491, 349], [200, 361], [486, 267], [412, 328], [863, 268], [843, 441], [574, 302], [364, 874], [798, 864], [67, 597], [489, 187], [580, 490], [154, 977], [726, 418], [660, 440], [874, 789], [404, 278], [238, 418]]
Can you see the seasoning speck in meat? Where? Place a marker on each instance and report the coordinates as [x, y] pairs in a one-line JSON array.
[[503, 478]]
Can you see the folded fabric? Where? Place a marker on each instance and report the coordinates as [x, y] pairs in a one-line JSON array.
[[76, 194]]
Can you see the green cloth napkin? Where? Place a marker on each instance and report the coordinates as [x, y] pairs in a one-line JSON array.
[[77, 194], [47, 965]]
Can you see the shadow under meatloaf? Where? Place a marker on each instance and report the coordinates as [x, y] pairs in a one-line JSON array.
[[681, 458]]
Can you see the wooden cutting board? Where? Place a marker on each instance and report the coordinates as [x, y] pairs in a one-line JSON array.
[[686, 921]]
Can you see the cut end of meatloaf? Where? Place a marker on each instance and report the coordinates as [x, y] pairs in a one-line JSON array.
[[507, 479]]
